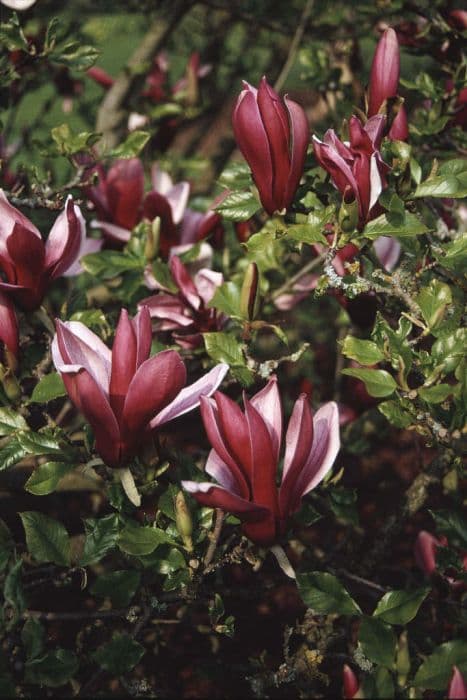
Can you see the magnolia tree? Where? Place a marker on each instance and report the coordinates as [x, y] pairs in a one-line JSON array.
[[232, 368]]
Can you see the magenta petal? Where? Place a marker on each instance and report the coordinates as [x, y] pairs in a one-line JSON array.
[[206, 283], [326, 445], [425, 551], [27, 253], [9, 332], [252, 140], [216, 497], [385, 70], [221, 472], [264, 466], [234, 430], [143, 331], [125, 191], [156, 383], [189, 398], [64, 241], [275, 122], [268, 404], [457, 689], [116, 233], [399, 130], [300, 139], [298, 443], [169, 309], [9, 216], [184, 282], [79, 348], [388, 250], [123, 362], [95, 407], [337, 167]]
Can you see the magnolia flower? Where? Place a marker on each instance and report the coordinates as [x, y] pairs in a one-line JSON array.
[[186, 312], [246, 452], [120, 204], [457, 689], [124, 393], [384, 83], [29, 264], [357, 169], [272, 135]]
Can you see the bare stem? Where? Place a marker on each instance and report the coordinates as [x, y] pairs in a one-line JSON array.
[[310, 265], [214, 540], [294, 46]]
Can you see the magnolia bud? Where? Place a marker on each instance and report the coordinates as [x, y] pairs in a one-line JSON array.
[[10, 384], [402, 660], [348, 213], [152, 240], [183, 521], [249, 296]]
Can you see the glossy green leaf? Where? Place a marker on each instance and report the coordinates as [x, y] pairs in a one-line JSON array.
[[378, 641], [138, 540], [238, 206], [400, 607], [364, 351], [46, 477], [46, 538], [50, 387], [435, 394], [119, 655], [406, 226], [378, 382], [325, 594], [433, 301], [101, 537], [224, 347], [436, 670], [132, 146], [11, 421], [53, 669], [399, 412]]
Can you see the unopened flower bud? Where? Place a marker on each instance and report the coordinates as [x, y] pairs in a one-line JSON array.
[[152, 240], [249, 297], [10, 384], [183, 521], [351, 684], [402, 660]]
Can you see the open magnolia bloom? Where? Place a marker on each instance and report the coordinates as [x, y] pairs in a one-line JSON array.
[[30, 264], [18, 4], [246, 453], [124, 393]]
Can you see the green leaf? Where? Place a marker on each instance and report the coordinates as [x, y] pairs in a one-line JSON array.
[[343, 504], [224, 347], [46, 538], [137, 540], [379, 685], [265, 249], [406, 226], [449, 349], [13, 593], [324, 594], [69, 143], [46, 477], [238, 206], [377, 382], [364, 351], [455, 254], [49, 387], [33, 638], [101, 537], [119, 586], [435, 394], [398, 412], [53, 670], [436, 670], [400, 607], [433, 301], [10, 421], [119, 655], [110, 263], [236, 176], [451, 523], [6, 544], [163, 276], [451, 181], [306, 233], [11, 453], [75, 55], [227, 299], [132, 146], [378, 641]]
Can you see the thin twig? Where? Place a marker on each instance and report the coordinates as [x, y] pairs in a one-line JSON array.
[[294, 46], [214, 540], [310, 265]]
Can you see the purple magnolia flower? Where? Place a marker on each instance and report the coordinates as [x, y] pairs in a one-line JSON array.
[[124, 393], [273, 136], [246, 452], [29, 264], [384, 83], [185, 312], [357, 169], [120, 204]]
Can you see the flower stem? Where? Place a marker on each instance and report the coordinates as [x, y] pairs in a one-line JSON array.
[[283, 561], [129, 486]]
